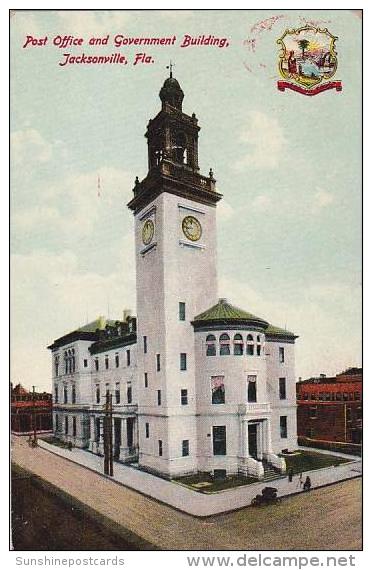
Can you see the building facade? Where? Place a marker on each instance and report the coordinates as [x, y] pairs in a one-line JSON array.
[[330, 409], [198, 384], [30, 411]]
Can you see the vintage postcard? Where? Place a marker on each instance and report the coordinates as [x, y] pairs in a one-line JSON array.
[[186, 370]]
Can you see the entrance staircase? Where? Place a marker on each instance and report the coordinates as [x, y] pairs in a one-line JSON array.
[[271, 472]]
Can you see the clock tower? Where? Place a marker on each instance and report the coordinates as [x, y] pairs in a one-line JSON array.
[[175, 239]]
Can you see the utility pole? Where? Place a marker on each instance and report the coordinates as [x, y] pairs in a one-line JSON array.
[[107, 437], [34, 415]]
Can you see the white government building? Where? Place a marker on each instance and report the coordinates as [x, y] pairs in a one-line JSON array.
[[198, 385]]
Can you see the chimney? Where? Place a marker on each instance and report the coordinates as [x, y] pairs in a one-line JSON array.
[[126, 313]]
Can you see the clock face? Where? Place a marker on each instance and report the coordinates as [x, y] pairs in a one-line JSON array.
[[191, 228], [148, 232]]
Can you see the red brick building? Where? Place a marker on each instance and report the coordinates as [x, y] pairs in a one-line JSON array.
[[330, 409], [27, 407]]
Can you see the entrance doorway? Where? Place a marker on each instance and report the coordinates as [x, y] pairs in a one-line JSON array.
[[130, 432], [117, 437], [252, 440]]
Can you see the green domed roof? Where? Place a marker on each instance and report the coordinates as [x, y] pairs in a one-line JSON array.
[[224, 311]]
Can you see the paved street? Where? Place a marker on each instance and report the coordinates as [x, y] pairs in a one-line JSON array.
[[328, 518], [197, 504]]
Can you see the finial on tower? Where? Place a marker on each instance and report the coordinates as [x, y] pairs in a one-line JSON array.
[[170, 67]]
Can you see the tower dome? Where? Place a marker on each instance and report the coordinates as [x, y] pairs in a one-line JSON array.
[[171, 93]]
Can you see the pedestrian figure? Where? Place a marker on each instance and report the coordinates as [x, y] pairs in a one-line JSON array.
[[300, 482], [307, 484], [290, 474]]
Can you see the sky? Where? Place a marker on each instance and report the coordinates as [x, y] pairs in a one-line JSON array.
[[288, 166]]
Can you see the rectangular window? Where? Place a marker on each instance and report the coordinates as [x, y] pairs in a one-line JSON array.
[[147, 430], [117, 361], [219, 440], [56, 394], [160, 445], [345, 396], [218, 389], [66, 425], [74, 426], [281, 353], [128, 357], [98, 394], [158, 362], [183, 361], [129, 394], [96, 363], [106, 362], [182, 311], [282, 389], [117, 393], [159, 397], [283, 427], [145, 344], [184, 401], [85, 363], [252, 388], [65, 396], [146, 380], [356, 395], [313, 412], [73, 394], [57, 422], [185, 448]]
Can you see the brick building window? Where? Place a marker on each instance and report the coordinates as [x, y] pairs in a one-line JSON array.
[[66, 425], [106, 362], [283, 427], [183, 361], [182, 311], [146, 380], [184, 399], [145, 345], [211, 345], [74, 426], [117, 393], [282, 389], [224, 344], [85, 363], [159, 397], [252, 388], [218, 389], [96, 364], [250, 345], [160, 447], [128, 357], [117, 361], [185, 448], [65, 395], [98, 394], [158, 362], [147, 430], [129, 393], [73, 394], [219, 440], [281, 353], [56, 394]]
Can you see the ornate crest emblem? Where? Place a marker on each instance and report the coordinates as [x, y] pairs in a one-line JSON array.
[[308, 59]]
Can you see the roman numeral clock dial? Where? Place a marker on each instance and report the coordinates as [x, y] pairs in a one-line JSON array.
[[148, 230], [192, 229]]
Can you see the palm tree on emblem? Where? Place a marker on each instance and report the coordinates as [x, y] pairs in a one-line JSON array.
[[303, 44]]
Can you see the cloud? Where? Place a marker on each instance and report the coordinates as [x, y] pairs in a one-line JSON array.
[[325, 315], [52, 295], [81, 204], [93, 23], [265, 142], [224, 211], [29, 145], [322, 199]]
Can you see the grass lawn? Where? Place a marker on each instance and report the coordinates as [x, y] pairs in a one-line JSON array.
[[205, 483], [309, 460]]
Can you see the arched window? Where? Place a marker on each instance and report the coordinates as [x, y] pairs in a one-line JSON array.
[[224, 344], [73, 360], [66, 362], [180, 147], [258, 347], [238, 345], [211, 345], [250, 345]]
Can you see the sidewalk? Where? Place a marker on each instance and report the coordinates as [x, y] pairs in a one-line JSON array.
[[192, 502]]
